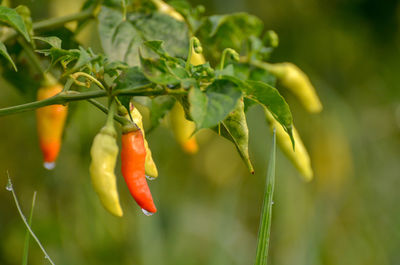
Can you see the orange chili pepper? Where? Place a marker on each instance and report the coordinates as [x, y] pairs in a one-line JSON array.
[[50, 125]]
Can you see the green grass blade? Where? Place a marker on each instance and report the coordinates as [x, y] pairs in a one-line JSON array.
[[266, 213], [27, 235]]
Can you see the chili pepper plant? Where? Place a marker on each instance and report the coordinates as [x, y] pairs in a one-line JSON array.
[[201, 72]]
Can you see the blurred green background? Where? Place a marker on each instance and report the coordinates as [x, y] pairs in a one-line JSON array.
[[208, 203]]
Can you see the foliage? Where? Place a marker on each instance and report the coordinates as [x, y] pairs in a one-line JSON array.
[[146, 51], [147, 57]]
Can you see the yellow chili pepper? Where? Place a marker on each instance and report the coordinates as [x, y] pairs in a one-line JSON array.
[[294, 79], [150, 166], [183, 129], [299, 156], [197, 58], [104, 154]]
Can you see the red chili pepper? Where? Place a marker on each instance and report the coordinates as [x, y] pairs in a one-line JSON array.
[[133, 156]]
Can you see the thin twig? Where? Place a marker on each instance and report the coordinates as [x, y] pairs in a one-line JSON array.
[[9, 187], [103, 108], [86, 75]]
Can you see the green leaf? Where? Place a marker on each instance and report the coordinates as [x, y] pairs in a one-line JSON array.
[[156, 46], [119, 38], [53, 41], [12, 18], [83, 59], [157, 71], [247, 71], [259, 74], [25, 13], [192, 15], [23, 80], [269, 97], [159, 26], [159, 107], [234, 128], [3, 51], [114, 68], [212, 106], [228, 31], [131, 79], [266, 212]]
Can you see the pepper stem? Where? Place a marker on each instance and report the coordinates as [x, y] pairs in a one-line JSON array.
[[111, 112]]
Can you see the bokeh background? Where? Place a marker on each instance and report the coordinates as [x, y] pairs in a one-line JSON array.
[[209, 205]]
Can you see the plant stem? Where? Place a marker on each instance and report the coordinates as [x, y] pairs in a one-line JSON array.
[[91, 78], [68, 96], [62, 98], [103, 108], [111, 112], [10, 188], [262, 65], [60, 21]]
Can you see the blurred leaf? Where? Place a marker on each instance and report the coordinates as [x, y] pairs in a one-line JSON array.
[[3, 51], [269, 97], [11, 17], [192, 15], [157, 71], [156, 46], [210, 107], [234, 128], [53, 41], [113, 68], [25, 13], [266, 212], [24, 80], [119, 38], [259, 74], [132, 78], [83, 59], [228, 31], [247, 71], [159, 107], [158, 26]]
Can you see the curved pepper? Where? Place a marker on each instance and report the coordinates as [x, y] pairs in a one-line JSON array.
[[183, 129], [50, 125], [104, 153], [299, 156], [294, 79], [150, 166], [133, 156]]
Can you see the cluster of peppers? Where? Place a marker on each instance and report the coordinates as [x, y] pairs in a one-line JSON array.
[[136, 159]]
